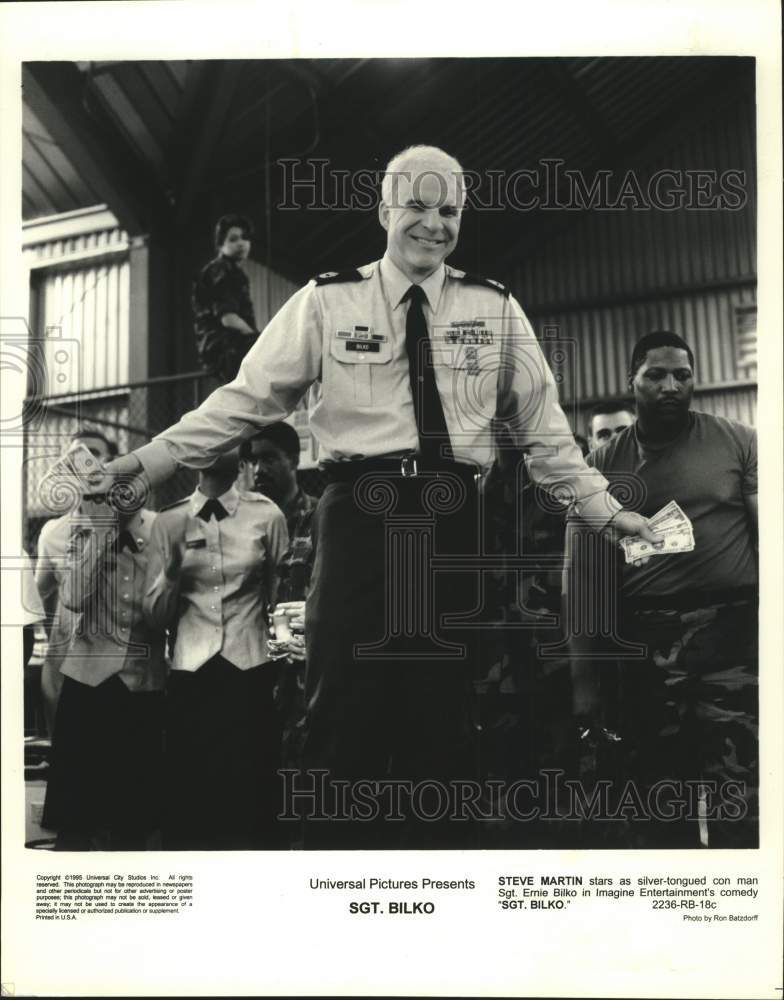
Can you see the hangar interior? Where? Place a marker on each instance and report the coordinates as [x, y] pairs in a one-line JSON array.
[[614, 196]]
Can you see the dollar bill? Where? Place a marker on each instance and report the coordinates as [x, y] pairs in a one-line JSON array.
[[675, 530]]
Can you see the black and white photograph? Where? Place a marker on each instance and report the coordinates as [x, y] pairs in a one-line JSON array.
[[385, 438]]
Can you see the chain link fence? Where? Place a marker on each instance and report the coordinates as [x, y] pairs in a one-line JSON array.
[[129, 415]]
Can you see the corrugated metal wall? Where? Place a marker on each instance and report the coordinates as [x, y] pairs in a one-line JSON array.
[[615, 275], [268, 290], [87, 309], [81, 289], [80, 285], [53, 251]]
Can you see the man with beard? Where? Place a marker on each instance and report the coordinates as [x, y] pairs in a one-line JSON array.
[[688, 711]]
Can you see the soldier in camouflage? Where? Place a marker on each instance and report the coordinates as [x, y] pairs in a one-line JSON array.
[[224, 321]]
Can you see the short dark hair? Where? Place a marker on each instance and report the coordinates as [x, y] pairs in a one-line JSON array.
[[281, 434], [87, 432], [659, 338], [226, 222], [609, 406]]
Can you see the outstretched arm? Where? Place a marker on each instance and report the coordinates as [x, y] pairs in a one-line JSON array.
[[274, 375]]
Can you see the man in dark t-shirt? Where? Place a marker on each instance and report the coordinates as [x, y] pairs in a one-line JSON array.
[[685, 635], [224, 323]]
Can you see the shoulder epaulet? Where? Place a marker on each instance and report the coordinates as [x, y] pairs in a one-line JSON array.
[[253, 495], [338, 277], [171, 506], [475, 279]]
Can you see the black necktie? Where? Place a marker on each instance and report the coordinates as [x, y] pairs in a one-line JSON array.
[[213, 507], [126, 541], [431, 423]]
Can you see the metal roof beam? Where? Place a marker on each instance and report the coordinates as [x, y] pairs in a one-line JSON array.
[[54, 91], [219, 89]]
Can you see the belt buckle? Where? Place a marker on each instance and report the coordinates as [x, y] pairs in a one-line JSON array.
[[408, 467]]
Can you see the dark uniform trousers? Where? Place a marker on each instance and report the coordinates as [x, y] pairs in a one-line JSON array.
[[400, 709]]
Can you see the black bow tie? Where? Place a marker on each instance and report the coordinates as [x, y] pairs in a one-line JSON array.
[[126, 541], [213, 507]]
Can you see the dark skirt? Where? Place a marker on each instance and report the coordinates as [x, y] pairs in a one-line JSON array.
[[104, 786], [222, 756]]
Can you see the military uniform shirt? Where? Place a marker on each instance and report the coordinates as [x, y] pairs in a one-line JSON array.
[[348, 333], [105, 588], [226, 581], [50, 568]]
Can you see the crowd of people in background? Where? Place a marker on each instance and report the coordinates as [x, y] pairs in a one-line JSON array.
[[178, 684]]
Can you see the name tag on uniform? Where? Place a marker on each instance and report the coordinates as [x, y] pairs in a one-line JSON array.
[[365, 346], [195, 543]]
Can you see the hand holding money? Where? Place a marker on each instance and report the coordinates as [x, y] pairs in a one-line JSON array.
[[74, 476], [102, 492], [675, 535], [288, 620], [627, 523]]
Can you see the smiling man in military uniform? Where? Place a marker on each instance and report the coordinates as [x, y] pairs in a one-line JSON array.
[[410, 393]]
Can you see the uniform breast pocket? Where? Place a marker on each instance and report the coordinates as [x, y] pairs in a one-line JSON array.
[[360, 369], [471, 375], [195, 555]]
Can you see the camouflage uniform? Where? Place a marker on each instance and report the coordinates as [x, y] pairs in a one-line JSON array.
[[690, 712], [295, 567], [294, 571], [222, 287]]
